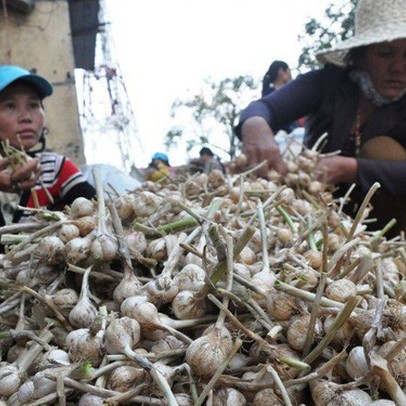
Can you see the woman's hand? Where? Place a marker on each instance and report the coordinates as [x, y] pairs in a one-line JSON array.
[[336, 169], [21, 179], [259, 145]]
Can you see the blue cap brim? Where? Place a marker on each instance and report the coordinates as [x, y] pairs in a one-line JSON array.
[[10, 74]]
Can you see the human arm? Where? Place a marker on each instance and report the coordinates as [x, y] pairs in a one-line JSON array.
[[263, 118]]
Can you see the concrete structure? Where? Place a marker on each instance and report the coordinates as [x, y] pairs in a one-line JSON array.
[[40, 39]]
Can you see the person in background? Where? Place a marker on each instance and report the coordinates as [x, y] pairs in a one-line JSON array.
[[206, 162], [277, 75], [46, 179], [358, 99], [158, 168]]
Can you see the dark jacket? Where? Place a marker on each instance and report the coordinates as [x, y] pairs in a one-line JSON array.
[[329, 99]]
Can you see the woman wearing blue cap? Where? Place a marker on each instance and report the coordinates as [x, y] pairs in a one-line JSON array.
[[158, 168], [48, 180]]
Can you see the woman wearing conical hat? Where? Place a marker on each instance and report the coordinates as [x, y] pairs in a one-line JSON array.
[[358, 99]]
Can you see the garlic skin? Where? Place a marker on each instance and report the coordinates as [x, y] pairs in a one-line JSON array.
[[81, 207], [356, 363], [146, 203], [280, 305], [297, 330], [206, 353], [267, 397], [190, 277], [83, 345], [354, 397], [68, 232], [50, 250], [9, 379], [228, 397], [185, 306], [341, 290], [122, 333], [25, 392], [65, 300], [126, 377], [91, 400]]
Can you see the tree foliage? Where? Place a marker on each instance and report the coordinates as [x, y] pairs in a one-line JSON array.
[[338, 25], [214, 112]]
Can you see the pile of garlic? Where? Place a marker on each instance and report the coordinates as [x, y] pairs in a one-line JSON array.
[[217, 290]]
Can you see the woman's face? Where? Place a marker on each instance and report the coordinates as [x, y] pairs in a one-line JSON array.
[[21, 115], [386, 66]]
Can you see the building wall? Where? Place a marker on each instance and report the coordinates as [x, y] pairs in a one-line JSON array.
[[41, 40]]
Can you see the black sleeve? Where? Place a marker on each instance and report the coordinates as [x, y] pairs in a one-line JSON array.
[[83, 189], [291, 102]]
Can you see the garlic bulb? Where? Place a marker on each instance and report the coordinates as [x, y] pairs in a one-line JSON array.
[[122, 334], [126, 377], [91, 400], [77, 250], [353, 397], [161, 290], [129, 286], [65, 300], [50, 250], [125, 207], [146, 203], [228, 397], [281, 305], [84, 345], [81, 207], [341, 290], [25, 392], [84, 312], [297, 331], [356, 363], [68, 232], [190, 277], [266, 397], [206, 353], [9, 379], [186, 306], [136, 242]]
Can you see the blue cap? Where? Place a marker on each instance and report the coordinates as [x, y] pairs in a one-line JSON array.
[[160, 155], [9, 74]]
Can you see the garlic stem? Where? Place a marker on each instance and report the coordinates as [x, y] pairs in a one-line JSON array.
[[339, 320], [270, 349], [230, 267], [340, 253], [32, 237], [380, 367], [255, 309], [20, 228], [264, 243], [238, 247], [279, 385], [126, 396], [362, 208], [304, 294], [316, 304], [25, 361], [159, 379], [210, 385], [60, 317], [287, 218]]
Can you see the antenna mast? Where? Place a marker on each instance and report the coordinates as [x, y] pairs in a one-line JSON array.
[[106, 115]]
